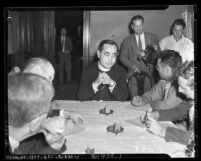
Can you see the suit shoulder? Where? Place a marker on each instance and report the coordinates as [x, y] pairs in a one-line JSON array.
[[151, 34], [120, 68], [90, 67], [128, 38]]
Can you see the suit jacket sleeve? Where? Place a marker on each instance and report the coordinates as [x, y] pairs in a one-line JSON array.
[[36, 144], [85, 90], [124, 56], [177, 135], [178, 113], [120, 91], [170, 102], [70, 44], [155, 94]]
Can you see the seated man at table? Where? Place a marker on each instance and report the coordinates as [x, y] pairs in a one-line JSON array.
[[104, 79], [163, 95], [29, 97], [186, 86], [43, 67]]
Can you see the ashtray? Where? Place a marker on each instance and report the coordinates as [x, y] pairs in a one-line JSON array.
[[104, 111], [116, 128], [89, 150]]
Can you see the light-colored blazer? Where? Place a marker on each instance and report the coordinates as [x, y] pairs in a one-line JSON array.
[[156, 96], [129, 50]]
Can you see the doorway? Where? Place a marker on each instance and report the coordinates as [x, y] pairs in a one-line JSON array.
[[73, 22]]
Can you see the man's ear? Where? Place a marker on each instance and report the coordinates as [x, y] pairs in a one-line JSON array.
[[98, 53], [36, 123], [132, 26]]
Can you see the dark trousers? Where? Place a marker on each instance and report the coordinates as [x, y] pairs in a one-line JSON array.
[[148, 83], [64, 67]]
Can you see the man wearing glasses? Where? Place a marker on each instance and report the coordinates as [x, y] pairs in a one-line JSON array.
[[104, 79], [177, 42]]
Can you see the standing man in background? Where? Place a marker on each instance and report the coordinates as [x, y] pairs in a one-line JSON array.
[[133, 48], [64, 48], [177, 42]]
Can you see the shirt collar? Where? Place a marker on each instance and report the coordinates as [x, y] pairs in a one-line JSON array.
[[141, 35], [100, 67], [179, 39], [13, 143]]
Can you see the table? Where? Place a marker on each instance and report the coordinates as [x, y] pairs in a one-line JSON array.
[[134, 139]]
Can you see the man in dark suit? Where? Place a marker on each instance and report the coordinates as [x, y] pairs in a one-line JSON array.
[[64, 48], [104, 79], [132, 50]]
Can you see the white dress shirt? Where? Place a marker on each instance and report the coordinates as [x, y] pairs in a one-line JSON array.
[[184, 46], [142, 39], [13, 143]]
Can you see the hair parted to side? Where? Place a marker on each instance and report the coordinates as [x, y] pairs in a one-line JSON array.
[[172, 59], [137, 17], [179, 21], [40, 66], [107, 41], [29, 95]]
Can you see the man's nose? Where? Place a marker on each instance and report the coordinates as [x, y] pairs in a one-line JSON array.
[[110, 58]]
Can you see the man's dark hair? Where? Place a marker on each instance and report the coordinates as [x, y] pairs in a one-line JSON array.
[[137, 17], [173, 59], [107, 41], [178, 21]]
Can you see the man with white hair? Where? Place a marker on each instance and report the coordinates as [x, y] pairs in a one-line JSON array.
[[29, 97]]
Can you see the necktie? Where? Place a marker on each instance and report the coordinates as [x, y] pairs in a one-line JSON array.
[[166, 90], [139, 43], [63, 43]]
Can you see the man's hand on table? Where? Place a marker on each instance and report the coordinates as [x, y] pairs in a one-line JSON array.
[[75, 117], [137, 101], [54, 130], [154, 127], [150, 113]]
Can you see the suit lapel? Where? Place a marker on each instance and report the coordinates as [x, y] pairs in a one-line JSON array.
[[145, 39], [134, 41]]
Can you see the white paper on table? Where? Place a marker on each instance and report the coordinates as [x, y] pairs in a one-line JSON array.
[[137, 122], [71, 128]]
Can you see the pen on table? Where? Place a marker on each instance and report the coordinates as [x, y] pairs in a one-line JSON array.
[[145, 117]]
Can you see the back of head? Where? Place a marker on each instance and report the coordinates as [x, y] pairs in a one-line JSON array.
[[29, 96], [172, 59], [40, 66]]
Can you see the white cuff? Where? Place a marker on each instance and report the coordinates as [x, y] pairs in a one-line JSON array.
[[94, 88], [61, 113], [111, 88]]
